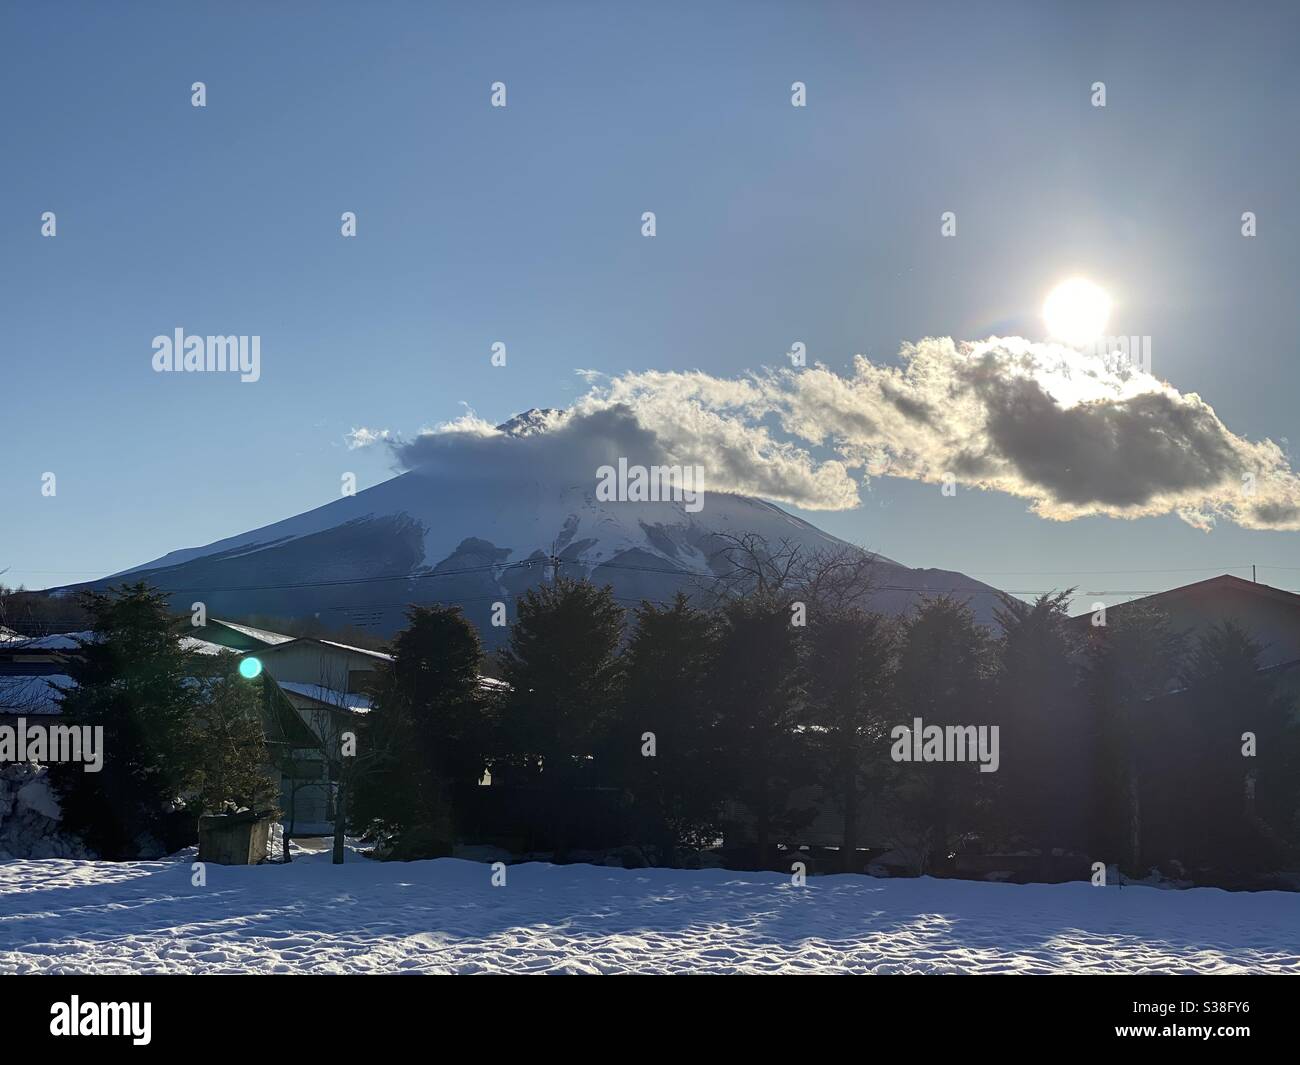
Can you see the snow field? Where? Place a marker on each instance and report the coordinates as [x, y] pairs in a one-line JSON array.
[[445, 916]]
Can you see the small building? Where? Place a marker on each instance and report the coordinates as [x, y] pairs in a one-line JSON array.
[[32, 670], [1270, 615], [328, 685], [311, 692]]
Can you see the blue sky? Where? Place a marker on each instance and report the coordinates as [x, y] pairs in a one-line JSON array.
[[522, 224]]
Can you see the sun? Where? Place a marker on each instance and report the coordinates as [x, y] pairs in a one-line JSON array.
[[1076, 311]]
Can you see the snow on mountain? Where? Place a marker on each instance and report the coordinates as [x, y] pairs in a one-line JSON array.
[[441, 533]]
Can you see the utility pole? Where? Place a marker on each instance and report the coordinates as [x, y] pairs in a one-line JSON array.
[[1252, 574]]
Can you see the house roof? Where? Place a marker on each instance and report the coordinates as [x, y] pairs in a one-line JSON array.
[[31, 694], [62, 641], [204, 647], [280, 721], [265, 637], [377, 655], [72, 641], [359, 650], [328, 696], [1225, 582]]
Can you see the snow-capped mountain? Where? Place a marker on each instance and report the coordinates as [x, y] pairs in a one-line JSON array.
[[439, 534]]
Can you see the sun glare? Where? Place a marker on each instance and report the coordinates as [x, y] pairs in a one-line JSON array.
[[1076, 312]]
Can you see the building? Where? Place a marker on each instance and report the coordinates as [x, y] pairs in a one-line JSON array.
[[31, 673], [328, 684], [1270, 615], [312, 691]]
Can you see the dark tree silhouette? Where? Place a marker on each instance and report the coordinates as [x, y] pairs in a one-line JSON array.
[[679, 788], [755, 689], [1131, 660], [849, 668], [133, 679], [944, 678], [565, 683], [429, 719], [1043, 778]]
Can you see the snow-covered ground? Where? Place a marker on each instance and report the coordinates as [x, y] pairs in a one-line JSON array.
[[445, 916]]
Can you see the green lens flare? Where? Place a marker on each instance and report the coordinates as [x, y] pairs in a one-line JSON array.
[[250, 668]]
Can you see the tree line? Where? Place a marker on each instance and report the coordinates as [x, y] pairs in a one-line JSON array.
[[674, 726], [740, 721]]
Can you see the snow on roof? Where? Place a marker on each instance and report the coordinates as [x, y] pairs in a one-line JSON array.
[[331, 697], [203, 647], [32, 695], [71, 641], [64, 641], [359, 650], [326, 643], [265, 635]]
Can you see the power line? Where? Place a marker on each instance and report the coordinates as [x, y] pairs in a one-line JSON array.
[[555, 563], [1100, 572], [686, 575], [529, 562]]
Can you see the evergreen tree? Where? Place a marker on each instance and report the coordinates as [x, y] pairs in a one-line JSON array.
[[426, 734], [1242, 805], [1039, 711], [563, 673], [234, 764], [437, 662], [944, 678], [850, 673], [1130, 661], [678, 790], [755, 688], [565, 686], [132, 679]]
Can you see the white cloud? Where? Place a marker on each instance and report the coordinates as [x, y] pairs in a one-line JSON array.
[[364, 437], [1074, 434]]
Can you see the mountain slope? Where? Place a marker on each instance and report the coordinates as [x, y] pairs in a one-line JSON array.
[[430, 535]]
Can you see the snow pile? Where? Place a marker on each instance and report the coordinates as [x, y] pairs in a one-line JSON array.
[[445, 916], [30, 815]]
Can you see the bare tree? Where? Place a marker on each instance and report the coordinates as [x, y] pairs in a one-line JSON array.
[[831, 577], [26, 695], [32, 614], [751, 566]]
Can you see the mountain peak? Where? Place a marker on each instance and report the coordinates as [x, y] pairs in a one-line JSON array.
[[532, 421]]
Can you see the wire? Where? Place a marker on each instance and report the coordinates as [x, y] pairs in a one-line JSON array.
[[685, 575]]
